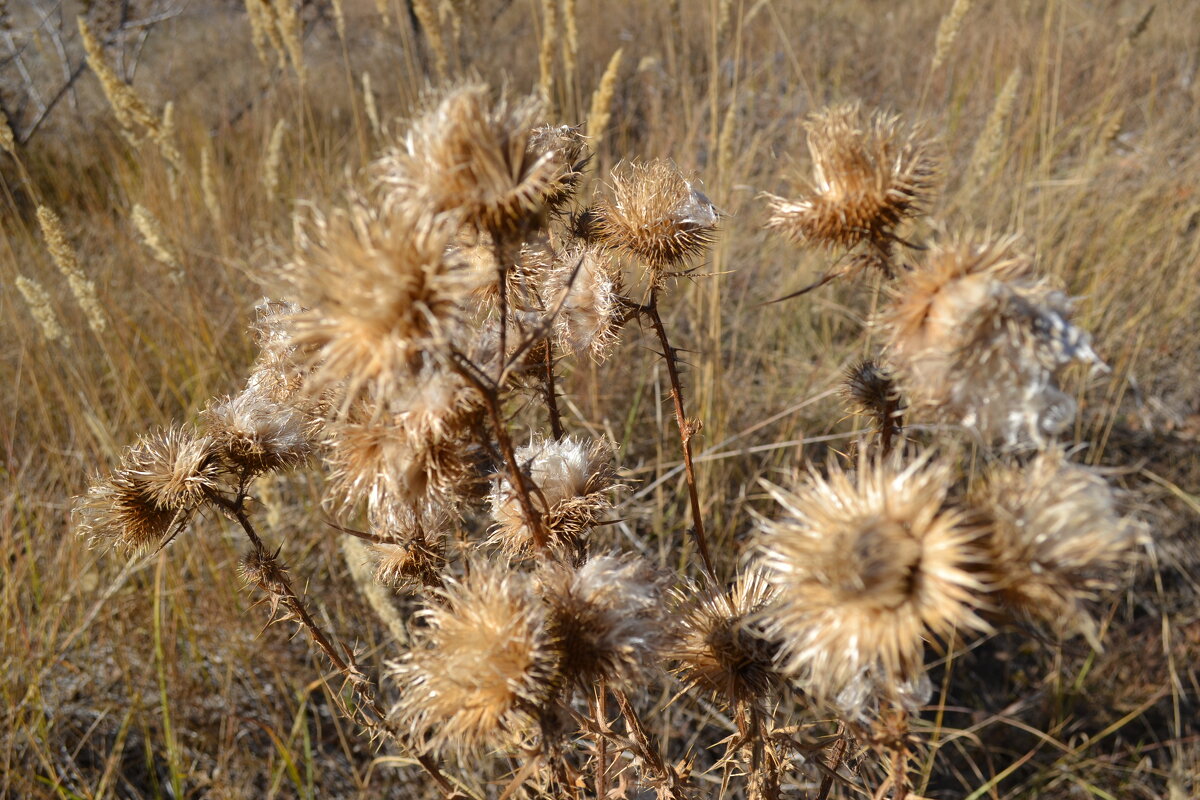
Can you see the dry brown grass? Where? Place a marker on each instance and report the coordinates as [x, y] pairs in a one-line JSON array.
[[155, 679]]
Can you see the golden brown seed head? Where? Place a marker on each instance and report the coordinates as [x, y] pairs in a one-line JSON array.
[[254, 435], [977, 341], [588, 284], [607, 621], [378, 295], [869, 389], [573, 477], [865, 567], [480, 667], [155, 489], [566, 148], [722, 647], [1056, 538], [868, 177], [262, 569], [656, 216], [471, 156]]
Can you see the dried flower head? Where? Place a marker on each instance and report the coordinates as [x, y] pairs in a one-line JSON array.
[[411, 549], [722, 647], [869, 389], [572, 477], [481, 666], [255, 435], [1055, 537], [655, 215], [471, 156], [379, 295], [868, 178], [153, 492], [607, 620], [565, 146], [866, 566], [978, 341], [263, 569], [587, 283]]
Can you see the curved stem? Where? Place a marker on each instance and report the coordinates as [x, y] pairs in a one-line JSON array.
[[686, 431]]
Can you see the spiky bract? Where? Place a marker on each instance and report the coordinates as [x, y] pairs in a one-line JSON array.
[[471, 156], [722, 647], [481, 665], [566, 148], [607, 620], [1056, 537], [977, 340], [155, 489], [656, 215], [572, 477], [866, 566], [868, 177]]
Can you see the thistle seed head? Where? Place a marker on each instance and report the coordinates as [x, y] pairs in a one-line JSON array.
[[379, 295], [979, 342], [472, 157], [868, 177], [607, 621], [588, 283], [870, 390], [655, 215], [566, 148], [1056, 538], [865, 567], [722, 647], [481, 666], [254, 435], [572, 476], [157, 486]]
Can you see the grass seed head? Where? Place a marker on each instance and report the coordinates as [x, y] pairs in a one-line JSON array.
[[654, 214], [480, 667], [865, 567]]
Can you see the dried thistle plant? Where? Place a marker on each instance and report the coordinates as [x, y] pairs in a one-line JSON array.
[[867, 567], [869, 176], [572, 478], [1056, 538], [482, 663], [656, 216], [977, 340], [588, 282]]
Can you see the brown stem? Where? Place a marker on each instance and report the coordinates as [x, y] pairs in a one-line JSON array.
[[600, 715], [517, 477], [377, 719], [685, 434], [890, 425], [648, 752], [556, 426], [837, 752]]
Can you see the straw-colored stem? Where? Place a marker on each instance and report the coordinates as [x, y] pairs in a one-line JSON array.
[[686, 431]]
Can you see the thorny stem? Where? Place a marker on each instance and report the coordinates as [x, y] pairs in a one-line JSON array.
[[686, 431], [598, 712], [358, 682], [517, 476], [556, 426], [837, 753], [649, 754], [502, 290]]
